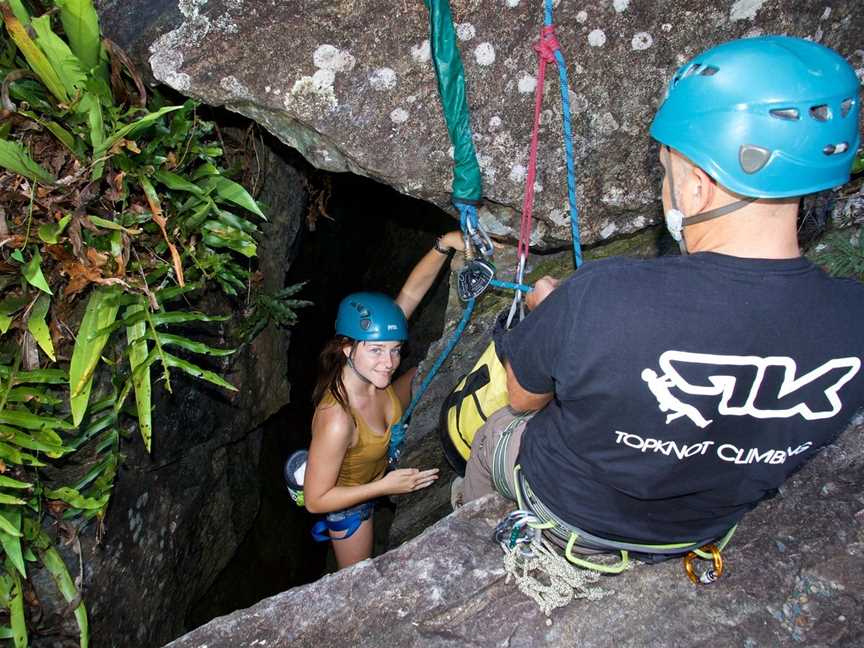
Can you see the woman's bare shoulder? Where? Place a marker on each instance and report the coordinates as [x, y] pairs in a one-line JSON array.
[[332, 422]]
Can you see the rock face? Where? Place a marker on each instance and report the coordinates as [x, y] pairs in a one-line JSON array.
[[177, 516], [350, 84], [793, 578]]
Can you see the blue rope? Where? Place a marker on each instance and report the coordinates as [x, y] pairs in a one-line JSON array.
[[497, 283], [568, 147], [397, 433], [467, 215]]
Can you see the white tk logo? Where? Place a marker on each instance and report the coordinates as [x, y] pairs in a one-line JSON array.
[[724, 385]]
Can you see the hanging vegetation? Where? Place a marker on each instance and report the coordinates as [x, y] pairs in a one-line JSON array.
[[114, 207]]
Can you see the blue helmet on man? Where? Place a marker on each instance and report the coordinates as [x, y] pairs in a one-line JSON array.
[[369, 316], [766, 117]]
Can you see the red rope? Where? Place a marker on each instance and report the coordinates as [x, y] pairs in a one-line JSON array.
[[545, 48]]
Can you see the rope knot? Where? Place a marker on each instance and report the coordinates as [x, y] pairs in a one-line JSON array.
[[547, 45]]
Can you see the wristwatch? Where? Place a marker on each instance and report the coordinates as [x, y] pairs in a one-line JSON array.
[[438, 247]]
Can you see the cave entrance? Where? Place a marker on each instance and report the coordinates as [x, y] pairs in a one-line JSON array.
[[366, 236]]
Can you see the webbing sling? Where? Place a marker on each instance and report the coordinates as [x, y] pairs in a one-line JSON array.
[[574, 536]]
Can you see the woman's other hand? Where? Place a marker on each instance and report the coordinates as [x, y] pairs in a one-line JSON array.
[[453, 241], [408, 480]]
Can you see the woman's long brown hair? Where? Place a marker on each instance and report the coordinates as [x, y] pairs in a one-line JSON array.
[[330, 364]]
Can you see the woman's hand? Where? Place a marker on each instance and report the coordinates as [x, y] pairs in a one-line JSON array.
[[453, 241], [407, 480]]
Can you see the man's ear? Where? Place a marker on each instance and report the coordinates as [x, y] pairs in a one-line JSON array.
[[699, 191]]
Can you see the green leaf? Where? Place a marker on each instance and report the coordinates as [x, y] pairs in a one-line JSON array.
[[13, 304], [29, 421], [235, 221], [8, 307], [65, 137], [15, 456], [35, 57], [20, 11], [38, 328], [32, 271], [138, 351], [74, 498], [197, 372], [50, 232], [38, 377], [101, 313], [45, 442], [9, 527], [199, 215], [65, 63], [81, 25], [167, 339], [8, 482], [13, 599], [158, 319], [32, 395], [15, 158], [11, 500], [12, 541], [91, 106], [176, 182], [55, 565], [217, 234], [128, 129], [230, 191], [206, 169]]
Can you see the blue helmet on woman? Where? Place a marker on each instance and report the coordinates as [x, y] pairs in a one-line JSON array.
[[766, 117], [371, 316]]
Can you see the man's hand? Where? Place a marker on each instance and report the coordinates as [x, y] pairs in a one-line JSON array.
[[542, 288]]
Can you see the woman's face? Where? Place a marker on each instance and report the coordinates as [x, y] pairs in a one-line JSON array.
[[377, 361]]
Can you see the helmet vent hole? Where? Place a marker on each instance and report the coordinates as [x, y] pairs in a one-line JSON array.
[[821, 112], [709, 70], [789, 114], [693, 69], [846, 106], [752, 157], [836, 149]]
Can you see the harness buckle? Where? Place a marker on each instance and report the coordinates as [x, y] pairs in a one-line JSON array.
[[711, 574]]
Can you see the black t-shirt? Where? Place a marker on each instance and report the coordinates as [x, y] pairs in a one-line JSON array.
[[687, 389]]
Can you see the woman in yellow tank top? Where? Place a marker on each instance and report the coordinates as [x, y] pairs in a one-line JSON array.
[[356, 405]]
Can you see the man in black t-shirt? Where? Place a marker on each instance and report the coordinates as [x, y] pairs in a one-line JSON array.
[[673, 394]]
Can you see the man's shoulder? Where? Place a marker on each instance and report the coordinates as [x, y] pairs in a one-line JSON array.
[[629, 270]]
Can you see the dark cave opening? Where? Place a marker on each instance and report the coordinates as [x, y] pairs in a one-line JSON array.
[[369, 239]]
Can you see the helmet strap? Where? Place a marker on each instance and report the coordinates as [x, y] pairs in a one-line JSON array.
[[351, 364], [676, 221]]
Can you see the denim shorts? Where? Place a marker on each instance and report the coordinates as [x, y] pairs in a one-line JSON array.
[[364, 510]]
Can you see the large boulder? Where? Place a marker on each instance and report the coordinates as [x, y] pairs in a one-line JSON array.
[[793, 577], [351, 86]]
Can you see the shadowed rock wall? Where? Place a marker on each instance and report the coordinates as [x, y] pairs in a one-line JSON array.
[[178, 515]]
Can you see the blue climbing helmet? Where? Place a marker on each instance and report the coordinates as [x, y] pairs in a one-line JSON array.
[[766, 117], [371, 316]]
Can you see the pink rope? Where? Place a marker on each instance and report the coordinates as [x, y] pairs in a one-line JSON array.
[[545, 48]]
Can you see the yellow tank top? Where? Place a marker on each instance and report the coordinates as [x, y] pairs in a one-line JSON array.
[[367, 460]]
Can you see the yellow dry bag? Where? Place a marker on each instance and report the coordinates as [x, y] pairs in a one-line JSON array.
[[481, 392]]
